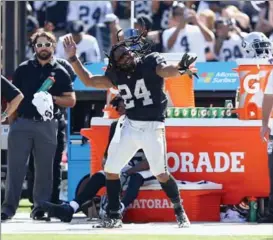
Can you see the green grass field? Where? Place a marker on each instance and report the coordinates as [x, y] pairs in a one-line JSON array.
[[131, 237], [24, 206]]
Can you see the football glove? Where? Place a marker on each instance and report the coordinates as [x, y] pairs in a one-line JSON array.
[[44, 104], [184, 65]]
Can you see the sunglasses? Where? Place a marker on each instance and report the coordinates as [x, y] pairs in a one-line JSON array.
[[47, 44]]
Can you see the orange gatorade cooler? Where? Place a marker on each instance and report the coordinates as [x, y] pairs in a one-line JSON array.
[[253, 74], [179, 89], [201, 202]]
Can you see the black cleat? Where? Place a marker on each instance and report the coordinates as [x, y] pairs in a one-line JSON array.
[[109, 223], [183, 220], [64, 212]]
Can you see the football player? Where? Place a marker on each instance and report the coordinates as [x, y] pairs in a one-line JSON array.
[[87, 46], [257, 45], [140, 81]]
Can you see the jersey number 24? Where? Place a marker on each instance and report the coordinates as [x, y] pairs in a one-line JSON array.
[[140, 92]]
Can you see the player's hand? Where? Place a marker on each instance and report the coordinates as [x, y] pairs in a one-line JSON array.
[[184, 66], [70, 46], [264, 133]]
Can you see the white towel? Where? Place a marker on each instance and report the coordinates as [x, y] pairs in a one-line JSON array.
[[44, 104], [120, 125]]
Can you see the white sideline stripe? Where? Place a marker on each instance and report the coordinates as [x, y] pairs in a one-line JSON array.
[[191, 122], [22, 224]]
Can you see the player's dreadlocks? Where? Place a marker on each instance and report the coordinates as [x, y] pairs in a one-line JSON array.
[[135, 42]]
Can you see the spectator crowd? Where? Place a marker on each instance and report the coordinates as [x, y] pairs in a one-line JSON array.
[[211, 29]]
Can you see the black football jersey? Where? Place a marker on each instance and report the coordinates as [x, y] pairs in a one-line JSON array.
[[142, 90], [161, 17]]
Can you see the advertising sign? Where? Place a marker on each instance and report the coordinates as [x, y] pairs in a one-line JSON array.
[[215, 76]]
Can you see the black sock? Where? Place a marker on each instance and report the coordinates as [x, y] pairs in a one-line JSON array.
[[135, 182], [95, 183], [113, 193], [172, 192]]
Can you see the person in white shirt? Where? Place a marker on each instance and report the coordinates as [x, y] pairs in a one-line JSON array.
[[228, 40], [257, 45], [87, 46], [208, 17], [185, 37], [106, 33], [89, 12]]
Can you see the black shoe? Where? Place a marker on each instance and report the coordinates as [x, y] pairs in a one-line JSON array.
[[64, 212], [5, 217], [39, 214], [109, 223], [266, 219], [183, 220]]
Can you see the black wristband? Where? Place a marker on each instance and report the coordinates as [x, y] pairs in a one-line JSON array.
[[73, 59]]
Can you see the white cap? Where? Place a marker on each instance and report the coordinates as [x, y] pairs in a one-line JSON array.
[[110, 17]]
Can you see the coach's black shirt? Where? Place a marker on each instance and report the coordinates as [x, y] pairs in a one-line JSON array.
[[8, 90], [30, 76]]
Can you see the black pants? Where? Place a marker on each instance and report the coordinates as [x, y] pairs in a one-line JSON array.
[[56, 166], [98, 180], [27, 135], [270, 167]]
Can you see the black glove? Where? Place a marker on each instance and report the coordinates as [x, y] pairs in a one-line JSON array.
[[185, 63]]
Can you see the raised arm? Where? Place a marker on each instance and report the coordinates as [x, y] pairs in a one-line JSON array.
[[86, 77], [173, 70]]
